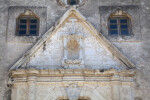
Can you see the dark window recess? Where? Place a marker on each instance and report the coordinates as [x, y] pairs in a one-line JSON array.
[[22, 32], [33, 21], [32, 32], [119, 26], [73, 2], [23, 26], [27, 26], [23, 21], [33, 26]]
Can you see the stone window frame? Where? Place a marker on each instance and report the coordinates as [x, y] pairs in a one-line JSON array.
[[120, 14], [27, 15], [133, 12], [119, 29]]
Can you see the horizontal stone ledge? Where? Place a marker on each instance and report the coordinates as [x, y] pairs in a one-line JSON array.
[[71, 78], [73, 72], [81, 83]]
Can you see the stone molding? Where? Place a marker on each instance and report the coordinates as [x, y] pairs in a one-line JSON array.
[[112, 75], [69, 61]]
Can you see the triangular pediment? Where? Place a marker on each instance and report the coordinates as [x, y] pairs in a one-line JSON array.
[[73, 41]]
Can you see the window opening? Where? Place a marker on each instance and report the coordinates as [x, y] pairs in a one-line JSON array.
[[119, 26], [119, 23], [73, 2], [27, 25]]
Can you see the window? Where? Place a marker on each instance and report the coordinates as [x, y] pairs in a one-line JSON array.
[[67, 3], [73, 2], [27, 25], [119, 25]]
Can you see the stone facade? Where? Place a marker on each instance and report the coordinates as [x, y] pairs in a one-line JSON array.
[[103, 67], [92, 84]]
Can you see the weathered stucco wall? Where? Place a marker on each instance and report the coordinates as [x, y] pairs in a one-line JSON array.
[[136, 51]]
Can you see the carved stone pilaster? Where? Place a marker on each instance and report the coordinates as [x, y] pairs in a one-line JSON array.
[[77, 62], [65, 48], [115, 87], [31, 88], [81, 49]]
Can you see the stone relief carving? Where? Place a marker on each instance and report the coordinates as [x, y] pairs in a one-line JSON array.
[[120, 12], [28, 12], [73, 51]]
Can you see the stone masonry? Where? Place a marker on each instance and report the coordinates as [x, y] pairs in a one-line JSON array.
[[51, 57]]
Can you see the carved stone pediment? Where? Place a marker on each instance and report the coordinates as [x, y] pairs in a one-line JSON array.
[[81, 39]]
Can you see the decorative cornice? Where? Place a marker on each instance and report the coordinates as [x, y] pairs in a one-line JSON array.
[[57, 75]]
